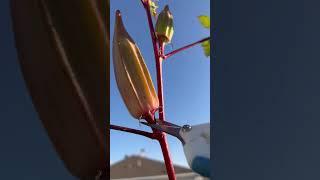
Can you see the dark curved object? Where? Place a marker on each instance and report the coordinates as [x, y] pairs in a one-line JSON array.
[[63, 49]]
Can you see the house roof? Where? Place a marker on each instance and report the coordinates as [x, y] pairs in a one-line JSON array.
[[139, 166]]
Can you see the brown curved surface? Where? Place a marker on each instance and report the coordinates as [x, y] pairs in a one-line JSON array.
[[63, 52]]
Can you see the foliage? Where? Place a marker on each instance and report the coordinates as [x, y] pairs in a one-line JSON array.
[[205, 22]]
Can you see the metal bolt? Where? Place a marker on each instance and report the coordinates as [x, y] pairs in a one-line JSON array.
[[186, 128]]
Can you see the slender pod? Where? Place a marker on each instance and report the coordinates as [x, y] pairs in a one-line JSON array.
[[132, 75], [164, 25]]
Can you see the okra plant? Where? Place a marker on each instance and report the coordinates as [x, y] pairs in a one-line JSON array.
[[133, 78]]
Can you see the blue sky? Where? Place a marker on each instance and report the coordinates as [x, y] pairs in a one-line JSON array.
[[186, 77]]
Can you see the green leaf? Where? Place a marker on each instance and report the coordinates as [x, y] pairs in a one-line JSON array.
[[153, 8], [205, 21], [206, 48]]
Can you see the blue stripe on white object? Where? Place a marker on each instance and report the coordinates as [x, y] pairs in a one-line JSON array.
[[197, 148], [201, 165]]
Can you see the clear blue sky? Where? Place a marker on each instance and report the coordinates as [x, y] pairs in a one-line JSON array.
[[186, 77]]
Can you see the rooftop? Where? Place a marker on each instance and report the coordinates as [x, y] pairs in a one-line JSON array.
[[141, 166]]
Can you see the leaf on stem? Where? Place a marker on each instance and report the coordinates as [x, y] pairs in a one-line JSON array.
[[205, 21], [153, 8], [206, 48]]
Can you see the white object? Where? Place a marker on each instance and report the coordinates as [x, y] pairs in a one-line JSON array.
[[197, 147]]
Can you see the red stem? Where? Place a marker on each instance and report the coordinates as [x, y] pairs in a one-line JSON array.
[[151, 28], [134, 131], [162, 137], [158, 60], [160, 86], [184, 48], [166, 156]]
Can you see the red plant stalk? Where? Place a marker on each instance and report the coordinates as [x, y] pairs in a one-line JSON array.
[[162, 136], [134, 131], [184, 48]]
